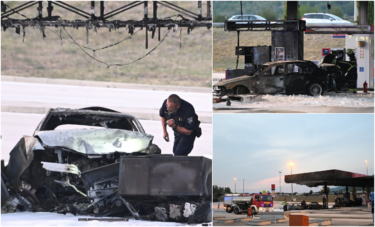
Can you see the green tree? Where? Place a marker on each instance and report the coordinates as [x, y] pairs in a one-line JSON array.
[[220, 18], [325, 190], [227, 190], [311, 192], [337, 11], [268, 13], [307, 9]]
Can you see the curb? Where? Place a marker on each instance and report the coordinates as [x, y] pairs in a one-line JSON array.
[[89, 83]]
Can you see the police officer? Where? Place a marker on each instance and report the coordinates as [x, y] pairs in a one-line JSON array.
[[181, 117], [285, 205], [324, 202]]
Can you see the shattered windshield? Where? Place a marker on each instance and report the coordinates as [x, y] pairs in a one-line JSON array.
[[63, 120]]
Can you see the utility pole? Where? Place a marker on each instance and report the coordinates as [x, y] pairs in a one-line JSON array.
[[291, 173], [243, 187], [235, 179], [280, 182]]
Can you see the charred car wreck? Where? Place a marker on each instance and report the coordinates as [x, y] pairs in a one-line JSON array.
[[285, 77], [96, 161]]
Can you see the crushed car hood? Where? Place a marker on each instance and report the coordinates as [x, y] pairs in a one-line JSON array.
[[96, 141]]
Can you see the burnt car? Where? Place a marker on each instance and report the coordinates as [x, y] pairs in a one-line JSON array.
[[314, 206], [100, 162], [284, 77]]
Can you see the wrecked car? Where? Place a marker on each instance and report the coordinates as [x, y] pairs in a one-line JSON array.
[[100, 162], [314, 206], [283, 77]]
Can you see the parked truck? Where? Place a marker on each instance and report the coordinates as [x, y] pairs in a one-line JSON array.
[[239, 203]]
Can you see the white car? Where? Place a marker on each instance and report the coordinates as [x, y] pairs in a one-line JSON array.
[[245, 17], [324, 19]]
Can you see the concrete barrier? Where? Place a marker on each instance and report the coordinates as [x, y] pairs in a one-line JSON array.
[[259, 222], [320, 222], [231, 220], [272, 215], [219, 217], [279, 220]]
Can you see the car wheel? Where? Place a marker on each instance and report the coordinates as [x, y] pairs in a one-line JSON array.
[[315, 89], [253, 211], [236, 210], [229, 209]]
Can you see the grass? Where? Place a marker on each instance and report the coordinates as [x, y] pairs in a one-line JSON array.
[[167, 65], [225, 43]]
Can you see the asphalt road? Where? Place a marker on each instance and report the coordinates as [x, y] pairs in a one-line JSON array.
[[143, 103]]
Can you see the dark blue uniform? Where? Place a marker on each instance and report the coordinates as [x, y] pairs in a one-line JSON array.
[[185, 117]]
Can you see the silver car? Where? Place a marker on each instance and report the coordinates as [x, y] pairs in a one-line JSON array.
[[245, 17], [325, 19]]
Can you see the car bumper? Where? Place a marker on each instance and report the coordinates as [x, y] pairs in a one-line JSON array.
[[265, 209]]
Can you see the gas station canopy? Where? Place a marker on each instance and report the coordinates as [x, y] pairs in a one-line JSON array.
[[332, 177]]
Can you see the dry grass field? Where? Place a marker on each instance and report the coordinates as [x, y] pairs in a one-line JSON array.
[[224, 44], [169, 64]]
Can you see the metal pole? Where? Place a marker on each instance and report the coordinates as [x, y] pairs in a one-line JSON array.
[[146, 37], [235, 180], [241, 9], [280, 182], [243, 187], [49, 9], [102, 10], [93, 10], [208, 9], [155, 9], [199, 10], [291, 173], [145, 10], [366, 167], [40, 9], [3, 7]]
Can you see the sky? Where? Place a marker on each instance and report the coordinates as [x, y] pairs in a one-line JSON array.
[[255, 147]]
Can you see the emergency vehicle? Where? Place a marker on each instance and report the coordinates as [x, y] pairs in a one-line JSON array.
[[239, 203]]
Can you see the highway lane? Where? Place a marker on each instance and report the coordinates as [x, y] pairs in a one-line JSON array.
[[16, 125], [33, 95]]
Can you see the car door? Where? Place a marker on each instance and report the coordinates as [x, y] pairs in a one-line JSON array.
[[272, 81], [294, 79]]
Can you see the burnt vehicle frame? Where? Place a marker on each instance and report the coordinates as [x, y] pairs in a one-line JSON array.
[[284, 77], [82, 171]]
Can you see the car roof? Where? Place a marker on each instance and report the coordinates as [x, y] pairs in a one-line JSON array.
[[319, 13], [245, 15]]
